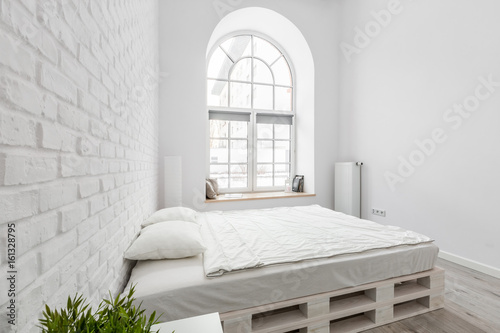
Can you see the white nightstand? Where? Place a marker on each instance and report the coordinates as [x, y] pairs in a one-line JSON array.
[[209, 323]]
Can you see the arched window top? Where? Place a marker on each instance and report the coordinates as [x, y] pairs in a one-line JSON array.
[[247, 71]]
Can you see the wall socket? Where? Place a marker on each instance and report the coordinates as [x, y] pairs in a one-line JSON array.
[[379, 212]]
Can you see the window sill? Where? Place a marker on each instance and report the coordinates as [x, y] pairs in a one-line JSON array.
[[259, 196]]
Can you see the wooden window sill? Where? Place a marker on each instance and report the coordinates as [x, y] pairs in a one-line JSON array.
[[258, 196]]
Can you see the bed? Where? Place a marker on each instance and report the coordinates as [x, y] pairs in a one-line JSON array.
[[346, 292]]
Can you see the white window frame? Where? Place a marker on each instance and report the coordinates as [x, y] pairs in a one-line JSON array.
[[252, 125], [249, 149]]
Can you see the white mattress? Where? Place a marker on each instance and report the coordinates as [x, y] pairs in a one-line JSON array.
[[180, 289]]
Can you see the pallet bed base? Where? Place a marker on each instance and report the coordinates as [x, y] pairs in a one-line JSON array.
[[346, 310]]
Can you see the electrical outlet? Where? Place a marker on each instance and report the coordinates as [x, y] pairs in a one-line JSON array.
[[379, 212]]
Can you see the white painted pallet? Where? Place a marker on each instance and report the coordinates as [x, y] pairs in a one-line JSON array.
[[346, 310]]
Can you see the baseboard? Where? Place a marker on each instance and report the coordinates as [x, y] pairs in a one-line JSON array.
[[486, 269]]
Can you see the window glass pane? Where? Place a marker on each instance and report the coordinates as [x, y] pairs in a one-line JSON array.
[[262, 97], [220, 172], [218, 67], [239, 151], [217, 93], [240, 95], [283, 99], [261, 73], [218, 128], [281, 151], [264, 151], [282, 132], [281, 72], [218, 151], [281, 173], [264, 131], [265, 50], [264, 175], [237, 47], [242, 70], [239, 176], [239, 129]]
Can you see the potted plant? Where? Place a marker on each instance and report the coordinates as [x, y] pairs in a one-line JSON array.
[[117, 315]]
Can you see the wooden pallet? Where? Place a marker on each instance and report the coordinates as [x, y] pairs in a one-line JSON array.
[[351, 309]]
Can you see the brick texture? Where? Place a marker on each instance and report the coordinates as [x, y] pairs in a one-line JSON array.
[[78, 149]]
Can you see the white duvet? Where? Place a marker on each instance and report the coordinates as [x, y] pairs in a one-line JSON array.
[[245, 239]]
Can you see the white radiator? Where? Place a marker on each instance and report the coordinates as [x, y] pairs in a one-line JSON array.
[[348, 188]]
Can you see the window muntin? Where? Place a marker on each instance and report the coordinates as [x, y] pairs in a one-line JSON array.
[[229, 149], [245, 74], [274, 149], [252, 66]]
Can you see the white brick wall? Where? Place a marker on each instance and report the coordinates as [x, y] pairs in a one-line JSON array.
[[78, 145]]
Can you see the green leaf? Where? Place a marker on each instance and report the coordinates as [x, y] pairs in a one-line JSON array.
[[113, 315]]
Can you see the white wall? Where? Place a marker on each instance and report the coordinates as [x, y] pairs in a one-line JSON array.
[[397, 89], [185, 30], [78, 146]]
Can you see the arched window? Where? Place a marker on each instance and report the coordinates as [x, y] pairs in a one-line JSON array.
[[250, 100]]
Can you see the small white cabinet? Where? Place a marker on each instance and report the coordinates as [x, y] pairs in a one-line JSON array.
[[209, 323]]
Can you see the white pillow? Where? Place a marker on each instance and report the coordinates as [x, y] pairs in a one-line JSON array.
[[171, 214], [167, 240]]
